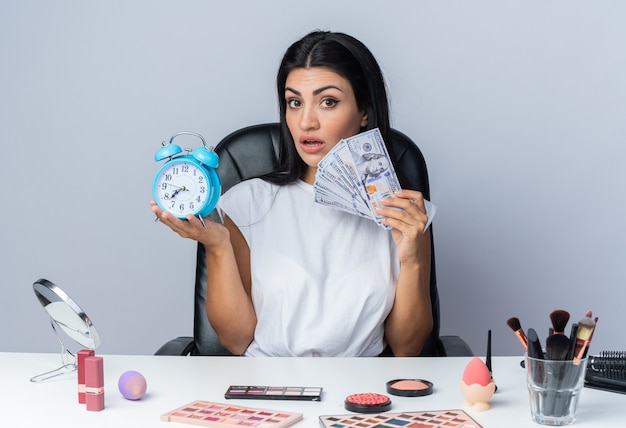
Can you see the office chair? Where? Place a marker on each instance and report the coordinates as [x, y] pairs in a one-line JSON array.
[[253, 151]]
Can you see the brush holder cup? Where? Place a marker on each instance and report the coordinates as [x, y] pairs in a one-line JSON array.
[[554, 389]]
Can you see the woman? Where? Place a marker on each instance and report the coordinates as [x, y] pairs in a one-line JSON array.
[[290, 277]]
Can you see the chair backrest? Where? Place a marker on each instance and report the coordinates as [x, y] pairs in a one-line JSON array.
[[253, 151]]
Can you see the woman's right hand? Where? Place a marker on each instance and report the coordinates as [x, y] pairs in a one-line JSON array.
[[207, 232]]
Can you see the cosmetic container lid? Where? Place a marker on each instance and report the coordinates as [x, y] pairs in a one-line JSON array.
[[410, 387]]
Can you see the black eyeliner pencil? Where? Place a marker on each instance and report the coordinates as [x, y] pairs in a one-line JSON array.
[[535, 351], [534, 345], [572, 341], [488, 358]]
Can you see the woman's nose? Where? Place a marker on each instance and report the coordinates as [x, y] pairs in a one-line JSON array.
[[308, 119]]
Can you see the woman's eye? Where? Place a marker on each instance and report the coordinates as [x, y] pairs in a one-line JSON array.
[[293, 103], [329, 102]]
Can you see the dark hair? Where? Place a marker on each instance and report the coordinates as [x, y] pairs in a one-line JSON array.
[[347, 57]]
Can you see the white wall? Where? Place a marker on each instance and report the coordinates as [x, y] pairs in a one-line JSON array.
[[518, 107]]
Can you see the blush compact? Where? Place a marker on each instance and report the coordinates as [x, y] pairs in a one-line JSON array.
[[410, 387], [368, 403]]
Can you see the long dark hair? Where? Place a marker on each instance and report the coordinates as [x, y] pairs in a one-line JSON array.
[[347, 57]]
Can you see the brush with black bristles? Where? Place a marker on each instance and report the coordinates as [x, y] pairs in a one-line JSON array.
[[557, 347], [559, 318]]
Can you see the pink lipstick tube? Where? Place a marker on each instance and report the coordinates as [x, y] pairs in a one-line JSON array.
[[80, 366], [94, 383]]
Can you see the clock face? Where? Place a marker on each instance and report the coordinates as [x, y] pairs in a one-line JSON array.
[[182, 187]]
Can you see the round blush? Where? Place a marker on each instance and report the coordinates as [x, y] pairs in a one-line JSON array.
[[410, 387], [368, 403]]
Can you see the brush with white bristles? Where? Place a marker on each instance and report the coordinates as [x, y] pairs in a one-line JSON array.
[[583, 337]]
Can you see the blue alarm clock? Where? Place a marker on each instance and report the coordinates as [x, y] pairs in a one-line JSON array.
[[187, 183]]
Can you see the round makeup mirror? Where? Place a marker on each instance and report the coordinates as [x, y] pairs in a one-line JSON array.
[[67, 317]]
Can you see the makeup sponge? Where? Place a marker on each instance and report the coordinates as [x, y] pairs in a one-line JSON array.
[[477, 386], [476, 372], [132, 385]]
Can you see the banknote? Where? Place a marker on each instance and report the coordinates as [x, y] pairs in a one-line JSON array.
[[356, 175], [376, 173], [335, 182]]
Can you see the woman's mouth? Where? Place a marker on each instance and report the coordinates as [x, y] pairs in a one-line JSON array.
[[311, 145]]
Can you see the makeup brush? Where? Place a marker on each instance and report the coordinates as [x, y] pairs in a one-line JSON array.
[[559, 318], [595, 324], [557, 347], [585, 330], [516, 326]]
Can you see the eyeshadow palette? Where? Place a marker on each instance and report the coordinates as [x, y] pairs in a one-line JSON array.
[[209, 414], [426, 419], [274, 392]]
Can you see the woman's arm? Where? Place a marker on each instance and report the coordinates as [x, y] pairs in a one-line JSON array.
[[410, 321], [228, 303]]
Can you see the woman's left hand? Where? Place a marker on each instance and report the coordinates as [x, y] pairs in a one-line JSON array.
[[406, 214]]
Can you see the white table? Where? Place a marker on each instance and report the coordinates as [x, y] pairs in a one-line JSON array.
[[175, 381]]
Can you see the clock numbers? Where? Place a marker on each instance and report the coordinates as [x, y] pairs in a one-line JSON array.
[[183, 186]]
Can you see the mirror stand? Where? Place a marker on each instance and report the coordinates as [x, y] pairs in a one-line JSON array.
[[68, 361], [67, 317]]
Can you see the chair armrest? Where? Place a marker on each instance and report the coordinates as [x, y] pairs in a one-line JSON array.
[[180, 346], [454, 346]]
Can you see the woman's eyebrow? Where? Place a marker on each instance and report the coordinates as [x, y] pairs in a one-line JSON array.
[[323, 88], [315, 92]]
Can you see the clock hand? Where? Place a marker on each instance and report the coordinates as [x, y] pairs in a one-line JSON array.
[[177, 191]]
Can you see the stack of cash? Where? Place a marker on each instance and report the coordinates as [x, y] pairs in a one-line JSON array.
[[355, 175]]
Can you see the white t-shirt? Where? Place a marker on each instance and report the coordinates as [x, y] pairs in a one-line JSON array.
[[323, 281]]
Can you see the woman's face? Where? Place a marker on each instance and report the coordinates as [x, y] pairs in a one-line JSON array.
[[321, 110]]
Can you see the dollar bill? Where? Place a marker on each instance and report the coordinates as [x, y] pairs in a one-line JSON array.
[[376, 173], [343, 176], [356, 175]]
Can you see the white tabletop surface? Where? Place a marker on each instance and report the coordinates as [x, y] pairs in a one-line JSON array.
[[175, 381]]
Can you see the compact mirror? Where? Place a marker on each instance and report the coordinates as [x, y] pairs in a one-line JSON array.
[[67, 317]]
